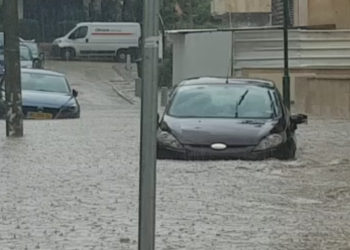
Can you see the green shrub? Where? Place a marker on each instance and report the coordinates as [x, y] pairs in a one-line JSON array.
[[29, 29], [64, 27]]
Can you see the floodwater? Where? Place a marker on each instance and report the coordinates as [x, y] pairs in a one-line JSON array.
[[74, 184]]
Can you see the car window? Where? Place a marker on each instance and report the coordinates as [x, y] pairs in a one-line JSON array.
[[44, 82], [81, 32], [224, 101]]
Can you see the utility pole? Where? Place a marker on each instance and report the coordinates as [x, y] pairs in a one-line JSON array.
[[14, 116], [286, 77], [149, 124]]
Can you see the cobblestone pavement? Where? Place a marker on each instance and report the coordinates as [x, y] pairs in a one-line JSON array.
[[73, 184]]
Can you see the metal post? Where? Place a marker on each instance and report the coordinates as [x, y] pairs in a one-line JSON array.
[[14, 116], [149, 106], [128, 63], [138, 85], [286, 77]]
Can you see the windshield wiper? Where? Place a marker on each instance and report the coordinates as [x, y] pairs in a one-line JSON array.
[[241, 99], [63, 106]]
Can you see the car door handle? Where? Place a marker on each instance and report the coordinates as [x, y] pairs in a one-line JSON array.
[[87, 40]]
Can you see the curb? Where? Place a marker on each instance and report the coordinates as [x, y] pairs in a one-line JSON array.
[[129, 80], [122, 95]]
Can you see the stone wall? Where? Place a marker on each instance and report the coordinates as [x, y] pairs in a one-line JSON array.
[[316, 92]]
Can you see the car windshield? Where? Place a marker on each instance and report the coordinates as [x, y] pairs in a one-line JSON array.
[[44, 82], [224, 101], [25, 54]]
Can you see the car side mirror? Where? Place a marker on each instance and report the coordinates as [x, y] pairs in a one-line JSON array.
[[299, 119], [74, 93]]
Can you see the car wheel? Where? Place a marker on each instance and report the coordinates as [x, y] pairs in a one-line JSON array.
[[121, 55], [67, 54], [36, 64], [288, 151]]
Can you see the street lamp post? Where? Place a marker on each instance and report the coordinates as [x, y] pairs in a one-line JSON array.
[[149, 124], [286, 77]]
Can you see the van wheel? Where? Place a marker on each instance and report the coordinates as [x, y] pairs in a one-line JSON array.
[[121, 55], [67, 54]]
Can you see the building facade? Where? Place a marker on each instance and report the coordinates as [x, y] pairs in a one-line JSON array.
[[238, 13], [322, 12]]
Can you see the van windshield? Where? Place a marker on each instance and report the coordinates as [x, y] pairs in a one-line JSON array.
[[80, 32]]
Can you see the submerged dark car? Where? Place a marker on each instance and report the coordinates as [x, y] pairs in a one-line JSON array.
[[47, 95], [216, 118]]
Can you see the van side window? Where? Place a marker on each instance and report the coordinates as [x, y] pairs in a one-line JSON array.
[[81, 32]]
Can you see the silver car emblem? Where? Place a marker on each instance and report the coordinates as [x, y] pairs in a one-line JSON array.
[[218, 146]]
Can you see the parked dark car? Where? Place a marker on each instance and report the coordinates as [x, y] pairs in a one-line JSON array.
[[216, 118], [47, 95]]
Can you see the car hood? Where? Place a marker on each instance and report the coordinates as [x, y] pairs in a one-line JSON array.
[[58, 40], [46, 99], [232, 132]]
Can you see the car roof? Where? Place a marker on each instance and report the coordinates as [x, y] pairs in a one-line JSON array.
[[208, 80], [42, 71]]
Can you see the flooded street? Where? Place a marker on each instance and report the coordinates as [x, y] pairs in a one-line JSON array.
[[73, 184]]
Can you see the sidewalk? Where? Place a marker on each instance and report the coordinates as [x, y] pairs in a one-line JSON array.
[[125, 85]]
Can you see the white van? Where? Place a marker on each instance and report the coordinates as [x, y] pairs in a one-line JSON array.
[[99, 39]]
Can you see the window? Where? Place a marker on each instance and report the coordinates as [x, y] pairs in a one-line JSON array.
[[80, 32], [43, 82], [224, 101]]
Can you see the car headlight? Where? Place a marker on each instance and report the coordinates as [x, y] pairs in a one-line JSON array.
[[168, 140], [269, 141], [71, 109]]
